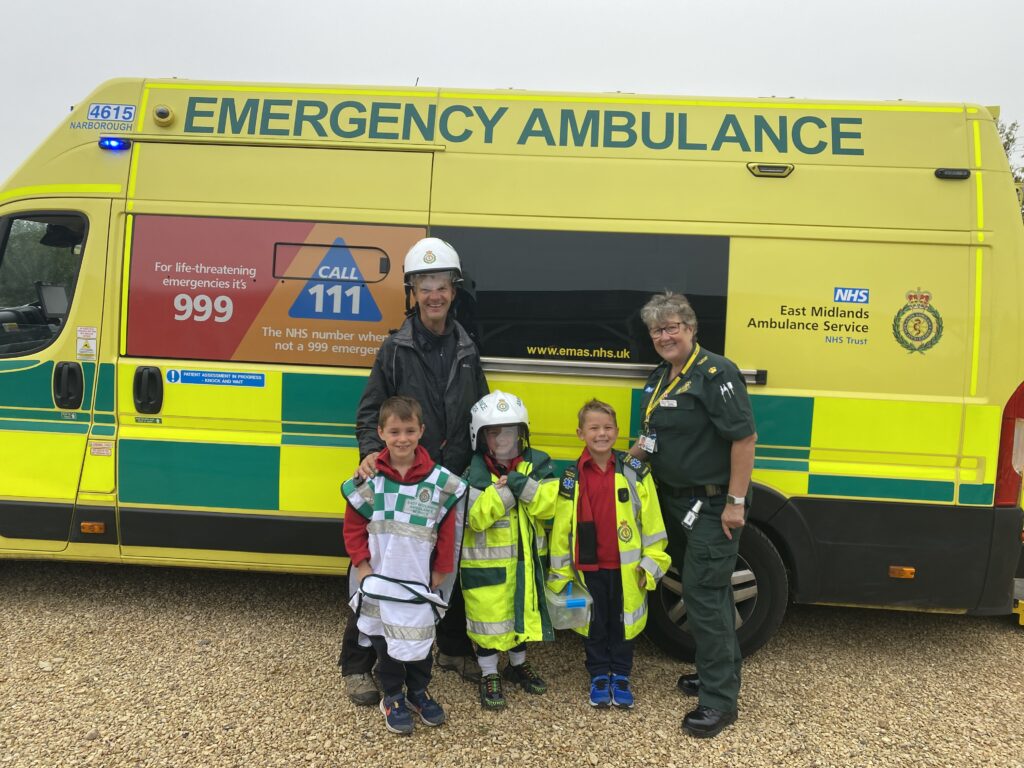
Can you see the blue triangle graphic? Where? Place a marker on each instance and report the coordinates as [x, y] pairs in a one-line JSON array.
[[340, 294]]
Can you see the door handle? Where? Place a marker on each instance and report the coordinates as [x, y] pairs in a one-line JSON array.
[[148, 389], [68, 385], [758, 377]]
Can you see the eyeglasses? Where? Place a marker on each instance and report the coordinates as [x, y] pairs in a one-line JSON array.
[[668, 330]]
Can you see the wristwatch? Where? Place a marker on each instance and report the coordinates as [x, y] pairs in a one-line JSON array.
[[735, 499]]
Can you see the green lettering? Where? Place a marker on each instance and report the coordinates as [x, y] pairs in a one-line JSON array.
[[269, 114], [838, 134], [425, 127], [645, 131], [779, 140], [537, 127], [192, 112], [358, 124], [314, 120], [377, 119], [626, 126], [683, 142], [446, 116], [798, 142], [232, 121], [570, 128], [730, 133], [489, 121]]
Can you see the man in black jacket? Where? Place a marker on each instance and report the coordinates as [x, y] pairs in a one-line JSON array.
[[432, 359]]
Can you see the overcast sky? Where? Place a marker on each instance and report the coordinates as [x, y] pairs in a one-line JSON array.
[[55, 52]]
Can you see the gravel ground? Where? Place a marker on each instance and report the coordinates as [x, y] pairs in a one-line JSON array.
[[128, 666]]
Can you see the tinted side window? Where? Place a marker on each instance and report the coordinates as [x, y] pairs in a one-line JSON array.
[[577, 295], [40, 258]]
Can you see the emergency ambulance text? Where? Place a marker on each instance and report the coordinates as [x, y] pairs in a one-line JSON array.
[[777, 132]]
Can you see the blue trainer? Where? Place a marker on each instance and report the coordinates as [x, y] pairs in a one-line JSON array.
[[427, 708], [600, 695], [396, 715], [622, 693]]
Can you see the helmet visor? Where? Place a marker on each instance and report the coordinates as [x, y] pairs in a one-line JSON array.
[[502, 442]]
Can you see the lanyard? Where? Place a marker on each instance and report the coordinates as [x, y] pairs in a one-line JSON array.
[[659, 395]]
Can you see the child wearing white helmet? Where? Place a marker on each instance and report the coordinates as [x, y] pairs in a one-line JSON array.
[[511, 490]]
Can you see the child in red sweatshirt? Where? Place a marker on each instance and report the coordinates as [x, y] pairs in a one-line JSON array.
[[400, 536]]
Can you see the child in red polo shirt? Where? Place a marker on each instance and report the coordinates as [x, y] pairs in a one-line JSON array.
[[608, 532]]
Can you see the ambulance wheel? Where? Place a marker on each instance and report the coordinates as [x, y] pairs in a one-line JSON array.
[[760, 588]]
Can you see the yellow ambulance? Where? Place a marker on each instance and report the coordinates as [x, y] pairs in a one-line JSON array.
[[195, 278]]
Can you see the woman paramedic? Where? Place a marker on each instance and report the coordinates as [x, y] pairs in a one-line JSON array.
[[698, 436]]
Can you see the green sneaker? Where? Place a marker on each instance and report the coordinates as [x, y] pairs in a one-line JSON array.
[[524, 676], [491, 695]]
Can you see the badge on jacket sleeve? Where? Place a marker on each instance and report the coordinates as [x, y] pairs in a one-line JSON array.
[[625, 532]]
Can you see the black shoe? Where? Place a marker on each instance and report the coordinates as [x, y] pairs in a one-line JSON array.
[[705, 722], [688, 685], [525, 677], [491, 695]]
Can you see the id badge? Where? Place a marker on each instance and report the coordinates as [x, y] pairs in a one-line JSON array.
[[691, 515], [648, 442]]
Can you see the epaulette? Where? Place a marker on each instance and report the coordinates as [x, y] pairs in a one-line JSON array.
[[567, 487], [709, 365], [640, 467]]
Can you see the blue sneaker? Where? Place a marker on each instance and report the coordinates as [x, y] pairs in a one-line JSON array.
[[396, 715], [600, 695], [426, 707], [622, 693]]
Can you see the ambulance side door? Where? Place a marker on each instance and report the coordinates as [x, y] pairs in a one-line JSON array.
[[52, 266], [254, 310]]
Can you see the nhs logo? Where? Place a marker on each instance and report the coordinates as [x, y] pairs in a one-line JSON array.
[[851, 295]]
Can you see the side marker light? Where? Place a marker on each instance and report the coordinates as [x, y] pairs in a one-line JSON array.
[[902, 572]]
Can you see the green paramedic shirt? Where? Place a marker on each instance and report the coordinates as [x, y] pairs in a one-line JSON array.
[[698, 420]]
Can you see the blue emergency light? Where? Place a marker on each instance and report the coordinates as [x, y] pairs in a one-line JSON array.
[[114, 143]]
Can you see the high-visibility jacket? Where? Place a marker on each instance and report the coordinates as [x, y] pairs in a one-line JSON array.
[[641, 537], [404, 519], [502, 571]]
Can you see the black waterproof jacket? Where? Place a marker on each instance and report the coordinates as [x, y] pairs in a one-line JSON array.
[[401, 369]]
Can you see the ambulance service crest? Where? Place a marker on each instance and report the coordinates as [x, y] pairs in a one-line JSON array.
[[625, 532], [917, 327], [429, 257], [424, 495], [502, 406]]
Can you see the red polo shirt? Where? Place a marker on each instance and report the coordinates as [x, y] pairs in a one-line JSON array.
[[597, 491]]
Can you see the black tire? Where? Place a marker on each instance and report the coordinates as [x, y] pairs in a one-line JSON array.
[[760, 585]]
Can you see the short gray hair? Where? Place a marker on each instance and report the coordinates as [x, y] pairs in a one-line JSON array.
[[667, 306]]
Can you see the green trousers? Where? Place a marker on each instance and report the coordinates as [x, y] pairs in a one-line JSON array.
[[706, 559]]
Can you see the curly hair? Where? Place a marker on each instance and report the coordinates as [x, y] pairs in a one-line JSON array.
[[666, 307]]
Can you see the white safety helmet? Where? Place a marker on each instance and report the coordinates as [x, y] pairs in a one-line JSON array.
[[496, 409], [432, 254]]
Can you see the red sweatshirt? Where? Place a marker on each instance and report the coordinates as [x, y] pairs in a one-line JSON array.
[[357, 539]]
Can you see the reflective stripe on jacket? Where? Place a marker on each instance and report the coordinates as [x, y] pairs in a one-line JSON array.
[[641, 537]]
